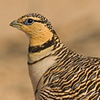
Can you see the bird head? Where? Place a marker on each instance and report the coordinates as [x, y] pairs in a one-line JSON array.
[[36, 26]]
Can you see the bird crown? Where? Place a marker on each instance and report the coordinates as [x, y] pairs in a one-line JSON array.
[[41, 19]]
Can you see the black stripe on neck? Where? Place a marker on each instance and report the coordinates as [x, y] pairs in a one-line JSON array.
[[38, 60], [34, 49]]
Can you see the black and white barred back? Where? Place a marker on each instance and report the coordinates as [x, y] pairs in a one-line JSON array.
[[72, 77]]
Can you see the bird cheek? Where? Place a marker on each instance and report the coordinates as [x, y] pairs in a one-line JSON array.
[[26, 29]]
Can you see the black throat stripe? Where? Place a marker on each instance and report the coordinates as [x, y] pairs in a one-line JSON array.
[[34, 49], [38, 60]]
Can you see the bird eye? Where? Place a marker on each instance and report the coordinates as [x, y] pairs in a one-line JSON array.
[[29, 21]]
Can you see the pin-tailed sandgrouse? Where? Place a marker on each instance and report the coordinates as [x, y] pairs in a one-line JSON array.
[[57, 73]]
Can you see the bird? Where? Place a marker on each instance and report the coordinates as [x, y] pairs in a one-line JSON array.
[[57, 72]]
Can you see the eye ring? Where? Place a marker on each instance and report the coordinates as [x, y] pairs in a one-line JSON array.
[[29, 21]]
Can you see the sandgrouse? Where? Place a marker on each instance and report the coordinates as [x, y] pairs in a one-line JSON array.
[[56, 72]]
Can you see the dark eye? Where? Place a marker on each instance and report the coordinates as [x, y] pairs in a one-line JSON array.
[[29, 21]]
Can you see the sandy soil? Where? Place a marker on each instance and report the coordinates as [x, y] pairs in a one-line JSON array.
[[77, 23]]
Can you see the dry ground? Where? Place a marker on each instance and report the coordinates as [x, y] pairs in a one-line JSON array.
[[77, 23]]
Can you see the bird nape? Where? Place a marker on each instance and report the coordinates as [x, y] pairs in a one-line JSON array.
[[56, 72]]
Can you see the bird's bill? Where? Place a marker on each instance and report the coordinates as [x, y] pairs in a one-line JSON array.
[[16, 24]]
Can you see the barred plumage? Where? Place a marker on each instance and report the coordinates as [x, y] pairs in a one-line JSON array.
[[58, 73]]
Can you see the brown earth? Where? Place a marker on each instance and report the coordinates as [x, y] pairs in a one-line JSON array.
[[77, 23]]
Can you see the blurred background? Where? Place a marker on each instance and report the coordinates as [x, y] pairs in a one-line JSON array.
[[77, 22]]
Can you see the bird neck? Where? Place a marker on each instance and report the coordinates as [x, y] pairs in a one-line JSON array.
[[38, 48], [40, 58], [40, 37]]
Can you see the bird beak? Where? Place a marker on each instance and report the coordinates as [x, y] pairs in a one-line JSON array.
[[16, 24]]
